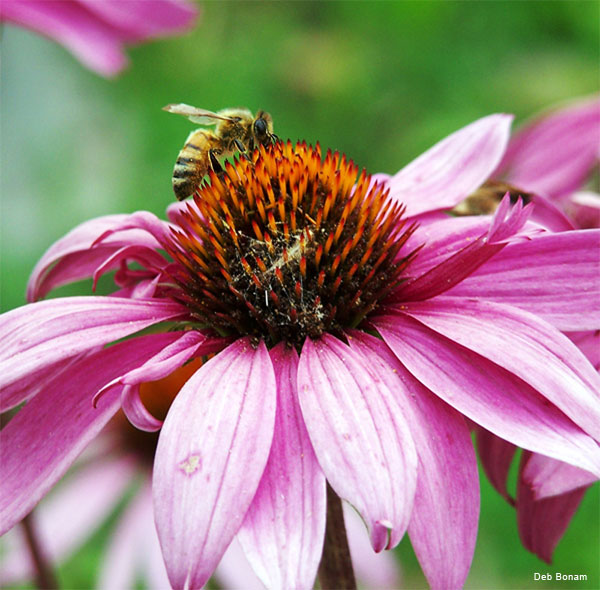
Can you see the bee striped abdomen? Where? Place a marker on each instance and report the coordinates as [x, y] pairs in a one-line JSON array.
[[191, 164]]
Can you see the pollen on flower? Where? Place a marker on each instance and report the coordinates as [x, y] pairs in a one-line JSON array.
[[190, 465], [285, 245]]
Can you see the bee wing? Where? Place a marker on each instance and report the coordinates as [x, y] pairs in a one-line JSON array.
[[199, 116]]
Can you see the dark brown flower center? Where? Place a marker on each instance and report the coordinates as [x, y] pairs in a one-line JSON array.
[[286, 245]]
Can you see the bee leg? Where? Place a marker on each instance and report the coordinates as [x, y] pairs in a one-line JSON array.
[[214, 162], [245, 153]]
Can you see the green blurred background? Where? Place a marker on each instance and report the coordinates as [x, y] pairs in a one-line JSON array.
[[380, 81]]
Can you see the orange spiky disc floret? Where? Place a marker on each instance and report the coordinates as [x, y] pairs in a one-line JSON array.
[[286, 245]]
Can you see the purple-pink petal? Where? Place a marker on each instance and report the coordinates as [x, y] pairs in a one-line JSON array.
[[44, 438], [555, 276], [496, 456], [442, 238], [357, 427], [584, 208], [445, 513], [72, 257], [459, 264], [542, 523], [486, 393], [140, 220], [548, 477], [186, 345], [192, 343], [136, 411], [453, 168], [524, 345], [548, 215], [40, 335], [282, 535], [148, 258], [211, 454]]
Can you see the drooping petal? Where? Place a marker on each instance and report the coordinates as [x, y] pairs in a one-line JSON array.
[[547, 477], [40, 335], [524, 345], [140, 220], [43, 439], [496, 457], [186, 345], [149, 259], [555, 153], [72, 257], [357, 427], [95, 489], [555, 276], [443, 525], [283, 532], [452, 169], [486, 393], [136, 411], [542, 523], [211, 454], [374, 570]]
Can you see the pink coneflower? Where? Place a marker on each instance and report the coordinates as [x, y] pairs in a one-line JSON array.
[[96, 31], [351, 344]]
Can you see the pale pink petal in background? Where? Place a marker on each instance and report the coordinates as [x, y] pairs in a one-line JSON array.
[[70, 514], [95, 31]]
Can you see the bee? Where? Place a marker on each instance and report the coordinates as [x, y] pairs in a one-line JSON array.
[[236, 129], [485, 200]]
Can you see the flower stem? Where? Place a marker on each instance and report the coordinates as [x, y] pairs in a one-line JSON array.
[[44, 576], [335, 571]]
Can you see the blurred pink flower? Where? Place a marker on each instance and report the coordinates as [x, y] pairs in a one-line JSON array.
[[286, 267], [95, 31], [551, 158], [554, 155]]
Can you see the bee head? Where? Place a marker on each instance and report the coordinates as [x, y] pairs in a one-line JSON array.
[[263, 127]]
